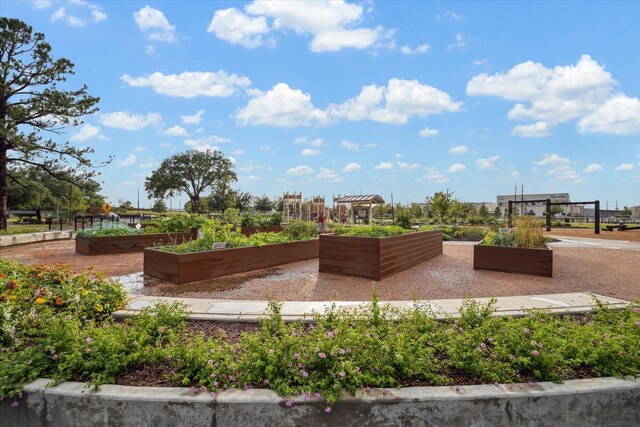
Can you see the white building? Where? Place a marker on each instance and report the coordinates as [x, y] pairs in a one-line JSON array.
[[537, 208]]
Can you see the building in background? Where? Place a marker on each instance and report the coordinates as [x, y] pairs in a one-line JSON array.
[[523, 204]]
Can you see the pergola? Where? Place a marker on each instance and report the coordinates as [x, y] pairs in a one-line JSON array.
[[360, 207]]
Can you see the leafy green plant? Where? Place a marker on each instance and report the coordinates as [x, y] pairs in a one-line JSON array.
[[496, 238], [299, 229], [528, 233], [375, 346], [104, 232], [369, 230]]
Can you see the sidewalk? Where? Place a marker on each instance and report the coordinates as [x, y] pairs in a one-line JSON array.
[[251, 311]]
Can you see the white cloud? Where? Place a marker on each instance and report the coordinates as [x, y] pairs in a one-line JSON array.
[[237, 28], [555, 95], [452, 15], [625, 167], [139, 149], [314, 143], [329, 175], [269, 149], [149, 49], [300, 170], [251, 178], [620, 115], [434, 175], [383, 166], [238, 152], [456, 167], [98, 15], [176, 131], [361, 38], [42, 4], [332, 24], [205, 143], [282, 107], [353, 146], [155, 25], [593, 167], [407, 50], [458, 42], [479, 62], [539, 129], [190, 84], [396, 103], [86, 132], [61, 15], [370, 145], [310, 152], [552, 159], [193, 119], [131, 159], [127, 121], [459, 149], [351, 167], [487, 163], [429, 133], [408, 166]]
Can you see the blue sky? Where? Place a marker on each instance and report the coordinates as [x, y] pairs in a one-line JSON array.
[[387, 97]]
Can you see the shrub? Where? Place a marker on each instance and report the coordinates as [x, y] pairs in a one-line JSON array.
[[177, 223], [300, 230], [104, 232], [249, 220], [376, 346], [528, 233], [369, 230]]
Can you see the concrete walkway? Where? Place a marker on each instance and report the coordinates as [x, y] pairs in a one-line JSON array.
[[583, 242], [21, 239], [251, 311]]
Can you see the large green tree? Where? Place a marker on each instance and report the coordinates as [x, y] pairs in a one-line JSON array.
[[263, 204], [33, 188], [440, 204], [33, 110], [191, 173]]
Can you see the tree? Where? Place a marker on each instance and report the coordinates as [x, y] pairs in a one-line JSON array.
[[440, 204], [483, 212], [191, 172], [222, 197], [125, 206], [263, 204], [159, 206], [497, 212], [242, 201], [31, 104], [626, 212]]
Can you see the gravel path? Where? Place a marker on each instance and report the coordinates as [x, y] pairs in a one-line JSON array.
[[607, 272]]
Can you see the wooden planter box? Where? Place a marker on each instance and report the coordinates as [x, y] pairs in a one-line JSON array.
[[132, 243], [189, 267], [248, 231], [377, 257], [535, 262]]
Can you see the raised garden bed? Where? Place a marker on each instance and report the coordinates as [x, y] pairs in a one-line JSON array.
[[248, 231], [534, 262], [130, 243], [377, 257], [190, 267]]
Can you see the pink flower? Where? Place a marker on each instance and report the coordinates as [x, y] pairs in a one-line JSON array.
[[329, 334], [304, 374], [636, 309], [526, 330], [289, 403], [535, 353], [342, 351], [88, 340], [457, 389], [327, 409], [367, 389], [54, 357], [322, 355], [342, 374], [87, 350], [212, 394], [15, 405], [215, 383]]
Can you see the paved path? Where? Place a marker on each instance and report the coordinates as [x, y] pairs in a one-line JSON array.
[[251, 311], [582, 242]]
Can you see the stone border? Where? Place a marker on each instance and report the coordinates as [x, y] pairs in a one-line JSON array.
[[21, 239], [603, 401]]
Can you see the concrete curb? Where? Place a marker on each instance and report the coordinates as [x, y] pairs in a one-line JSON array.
[[603, 401], [21, 239]]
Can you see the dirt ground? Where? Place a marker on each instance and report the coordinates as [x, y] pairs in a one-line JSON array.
[[606, 272], [630, 235]]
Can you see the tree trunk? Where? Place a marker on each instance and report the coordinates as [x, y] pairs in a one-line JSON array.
[[3, 189], [195, 204]]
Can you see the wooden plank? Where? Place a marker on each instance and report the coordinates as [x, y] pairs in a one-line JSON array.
[[536, 262], [122, 244], [216, 263]]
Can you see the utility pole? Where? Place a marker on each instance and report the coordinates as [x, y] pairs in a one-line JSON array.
[[138, 199], [70, 201]]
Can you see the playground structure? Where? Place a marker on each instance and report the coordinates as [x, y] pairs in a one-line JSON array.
[[356, 209], [291, 206]]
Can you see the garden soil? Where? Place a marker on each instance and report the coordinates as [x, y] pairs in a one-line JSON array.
[[611, 273]]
